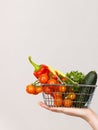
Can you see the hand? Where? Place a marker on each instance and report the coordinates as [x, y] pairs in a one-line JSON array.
[[85, 113], [68, 111]]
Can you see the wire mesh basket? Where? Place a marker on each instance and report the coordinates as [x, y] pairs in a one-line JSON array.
[[77, 96]]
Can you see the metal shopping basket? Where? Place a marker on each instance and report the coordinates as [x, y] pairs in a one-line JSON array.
[[82, 97]]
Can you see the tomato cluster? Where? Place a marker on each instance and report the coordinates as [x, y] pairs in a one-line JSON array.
[[50, 85], [33, 89], [66, 101]]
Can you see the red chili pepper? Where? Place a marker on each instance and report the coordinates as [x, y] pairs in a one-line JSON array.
[[39, 69]]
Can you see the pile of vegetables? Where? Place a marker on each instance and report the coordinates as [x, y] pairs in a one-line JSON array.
[[72, 89]]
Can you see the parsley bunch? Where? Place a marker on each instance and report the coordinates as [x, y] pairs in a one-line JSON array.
[[76, 76]]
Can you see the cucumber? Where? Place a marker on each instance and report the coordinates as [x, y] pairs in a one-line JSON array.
[[85, 92], [91, 78]]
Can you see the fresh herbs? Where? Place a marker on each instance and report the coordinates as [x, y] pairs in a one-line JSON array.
[[76, 76]]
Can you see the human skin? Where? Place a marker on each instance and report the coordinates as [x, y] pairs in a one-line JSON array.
[[85, 113]]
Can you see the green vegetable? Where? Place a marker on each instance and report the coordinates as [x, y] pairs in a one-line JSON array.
[[77, 77], [90, 78], [85, 91]]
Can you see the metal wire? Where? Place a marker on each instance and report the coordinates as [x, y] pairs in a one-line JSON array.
[[49, 100]]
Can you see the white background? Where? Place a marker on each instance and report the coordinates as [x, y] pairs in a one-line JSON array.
[[59, 33]]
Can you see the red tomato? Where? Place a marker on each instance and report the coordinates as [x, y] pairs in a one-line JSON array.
[[38, 89], [71, 96], [31, 89], [52, 81], [58, 102], [57, 95], [67, 102], [62, 89], [47, 90], [43, 78]]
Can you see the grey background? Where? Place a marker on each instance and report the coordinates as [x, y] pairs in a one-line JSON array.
[[62, 34]]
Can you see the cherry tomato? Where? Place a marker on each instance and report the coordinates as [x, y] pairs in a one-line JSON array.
[[71, 96], [58, 102], [67, 102], [43, 78], [38, 89], [57, 95], [52, 81], [31, 89], [47, 90], [62, 89]]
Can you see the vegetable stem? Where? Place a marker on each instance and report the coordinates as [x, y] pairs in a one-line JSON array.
[[36, 67]]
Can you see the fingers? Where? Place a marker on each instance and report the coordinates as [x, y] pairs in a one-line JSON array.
[[68, 111], [57, 109], [80, 112], [53, 109], [44, 105]]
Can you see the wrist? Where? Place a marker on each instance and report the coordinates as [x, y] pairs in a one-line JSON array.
[[92, 118]]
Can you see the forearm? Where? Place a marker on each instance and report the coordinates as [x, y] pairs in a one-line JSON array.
[[92, 118]]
